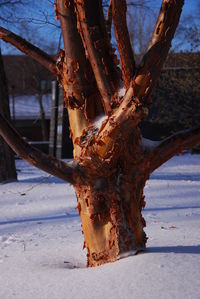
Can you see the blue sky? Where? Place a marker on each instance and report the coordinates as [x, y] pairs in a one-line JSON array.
[[43, 34]]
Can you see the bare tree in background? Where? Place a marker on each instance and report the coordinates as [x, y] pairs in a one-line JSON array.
[[140, 21], [111, 161], [7, 163], [9, 8]]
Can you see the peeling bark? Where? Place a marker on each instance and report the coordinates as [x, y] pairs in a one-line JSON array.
[[89, 14], [110, 206], [112, 163], [80, 91]]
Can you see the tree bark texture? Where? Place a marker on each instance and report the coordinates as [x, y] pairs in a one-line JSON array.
[[7, 163], [110, 205], [112, 164]]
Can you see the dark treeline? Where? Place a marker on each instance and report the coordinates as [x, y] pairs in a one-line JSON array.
[[176, 100]]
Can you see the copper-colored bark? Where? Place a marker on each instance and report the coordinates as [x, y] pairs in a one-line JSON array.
[[27, 48], [103, 146], [110, 205], [80, 90], [112, 164], [150, 68], [95, 42], [127, 61]]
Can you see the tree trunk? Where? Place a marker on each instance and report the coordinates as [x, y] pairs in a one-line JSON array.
[[7, 163], [111, 219], [110, 205], [112, 164]]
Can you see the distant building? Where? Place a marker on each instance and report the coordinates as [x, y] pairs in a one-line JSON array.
[[30, 92], [175, 106]]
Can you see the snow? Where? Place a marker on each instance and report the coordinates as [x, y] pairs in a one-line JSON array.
[[41, 252], [27, 106], [121, 90], [99, 121], [149, 144]]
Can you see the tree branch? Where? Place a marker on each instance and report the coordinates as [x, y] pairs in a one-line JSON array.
[[81, 94], [150, 68], [29, 49], [109, 19], [104, 146], [37, 158], [172, 146], [127, 61], [88, 16], [133, 107]]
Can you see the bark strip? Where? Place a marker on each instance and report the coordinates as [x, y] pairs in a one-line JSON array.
[[29, 49], [127, 60], [172, 146], [37, 158]]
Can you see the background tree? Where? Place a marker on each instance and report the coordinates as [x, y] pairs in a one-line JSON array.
[[175, 100], [111, 163], [140, 19], [7, 164]]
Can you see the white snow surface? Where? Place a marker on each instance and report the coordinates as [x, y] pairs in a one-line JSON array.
[[41, 252], [99, 121], [121, 90], [147, 143], [27, 106]]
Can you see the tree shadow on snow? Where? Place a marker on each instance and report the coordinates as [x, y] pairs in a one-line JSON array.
[[170, 208], [195, 249], [42, 180], [40, 219], [69, 264], [175, 177]]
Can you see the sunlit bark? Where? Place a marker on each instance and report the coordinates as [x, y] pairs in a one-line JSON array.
[[112, 163]]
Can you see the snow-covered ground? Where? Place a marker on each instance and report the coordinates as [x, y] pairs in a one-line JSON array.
[[41, 252], [27, 106]]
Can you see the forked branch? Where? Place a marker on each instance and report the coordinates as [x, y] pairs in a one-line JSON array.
[[29, 49], [172, 146], [127, 61], [118, 126], [37, 158]]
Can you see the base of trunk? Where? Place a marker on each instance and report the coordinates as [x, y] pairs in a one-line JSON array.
[[112, 223]]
